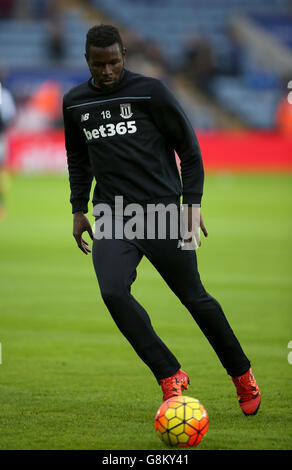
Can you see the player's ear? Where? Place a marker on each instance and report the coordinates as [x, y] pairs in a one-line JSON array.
[[86, 58], [124, 52]]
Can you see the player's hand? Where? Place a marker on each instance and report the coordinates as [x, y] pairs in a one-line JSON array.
[[203, 228], [80, 225], [195, 223]]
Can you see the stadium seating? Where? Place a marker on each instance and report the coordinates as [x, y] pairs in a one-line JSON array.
[[25, 42], [24, 53], [278, 26], [171, 23]]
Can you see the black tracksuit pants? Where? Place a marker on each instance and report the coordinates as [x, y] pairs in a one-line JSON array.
[[115, 262]]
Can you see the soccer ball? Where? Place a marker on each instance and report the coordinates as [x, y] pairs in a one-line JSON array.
[[181, 421]]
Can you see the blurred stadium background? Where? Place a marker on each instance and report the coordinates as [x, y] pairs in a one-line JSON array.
[[229, 62]]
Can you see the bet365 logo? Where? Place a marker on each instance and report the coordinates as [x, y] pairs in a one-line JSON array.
[[109, 130]]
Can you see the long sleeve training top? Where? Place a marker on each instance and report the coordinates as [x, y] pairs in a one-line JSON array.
[[125, 138]]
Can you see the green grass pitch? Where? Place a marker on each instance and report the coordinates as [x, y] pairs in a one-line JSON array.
[[69, 380]]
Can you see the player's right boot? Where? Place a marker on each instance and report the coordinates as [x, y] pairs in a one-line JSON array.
[[248, 393], [174, 385]]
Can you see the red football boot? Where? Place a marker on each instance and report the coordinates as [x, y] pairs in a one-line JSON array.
[[174, 385], [248, 392]]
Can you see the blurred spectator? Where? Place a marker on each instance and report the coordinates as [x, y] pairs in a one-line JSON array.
[[7, 115], [199, 64], [43, 110], [143, 57], [284, 116], [234, 66], [56, 44], [283, 113], [154, 53]]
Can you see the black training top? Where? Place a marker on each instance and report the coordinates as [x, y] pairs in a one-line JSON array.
[[126, 139]]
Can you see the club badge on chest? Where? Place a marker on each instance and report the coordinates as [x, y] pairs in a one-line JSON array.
[[126, 111]]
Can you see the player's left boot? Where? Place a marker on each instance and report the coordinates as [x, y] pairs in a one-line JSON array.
[[248, 393], [174, 385]]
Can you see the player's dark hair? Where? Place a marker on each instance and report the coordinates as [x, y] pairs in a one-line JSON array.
[[103, 35]]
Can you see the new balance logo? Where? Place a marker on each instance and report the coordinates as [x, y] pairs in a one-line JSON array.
[[84, 117]]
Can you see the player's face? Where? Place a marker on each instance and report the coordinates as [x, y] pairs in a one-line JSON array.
[[106, 65]]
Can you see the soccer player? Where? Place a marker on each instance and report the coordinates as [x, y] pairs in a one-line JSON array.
[[122, 128]]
